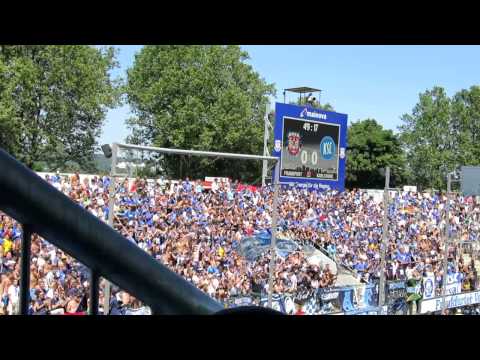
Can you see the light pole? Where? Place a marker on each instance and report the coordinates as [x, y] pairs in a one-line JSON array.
[[111, 205], [265, 145], [273, 242], [447, 242], [384, 244]]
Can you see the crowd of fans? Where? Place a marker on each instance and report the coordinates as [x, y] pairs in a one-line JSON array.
[[196, 233], [349, 226]]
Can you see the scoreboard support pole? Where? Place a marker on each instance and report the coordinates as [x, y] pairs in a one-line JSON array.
[[446, 245], [265, 146], [273, 242], [384, 243], [107, 287]]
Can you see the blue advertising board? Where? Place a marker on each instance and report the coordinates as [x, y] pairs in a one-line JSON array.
[[311, 144]]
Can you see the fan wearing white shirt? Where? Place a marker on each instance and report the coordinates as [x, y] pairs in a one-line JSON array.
[[13, 297]]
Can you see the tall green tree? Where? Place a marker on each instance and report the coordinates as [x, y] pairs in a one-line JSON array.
[[9, 129], [53, 101], [466, 125], [430, 138], [198, 97], [371, 148]]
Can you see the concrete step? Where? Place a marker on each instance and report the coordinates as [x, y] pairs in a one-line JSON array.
[[318, 258], [346, 279]]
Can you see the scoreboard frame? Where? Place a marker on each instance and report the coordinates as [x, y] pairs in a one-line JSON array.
[[311, 115]]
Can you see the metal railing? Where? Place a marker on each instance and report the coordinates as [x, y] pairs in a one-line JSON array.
[[44, 210]]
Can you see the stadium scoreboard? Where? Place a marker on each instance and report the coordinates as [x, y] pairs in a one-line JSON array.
[[311, 146], [470, 180]]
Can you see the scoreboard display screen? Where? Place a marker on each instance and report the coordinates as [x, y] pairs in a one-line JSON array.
[[311, 145], [310, 149]]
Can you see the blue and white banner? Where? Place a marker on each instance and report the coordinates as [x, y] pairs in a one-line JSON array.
[[351, 299], [395, 290], [243, 301], [365, 295], [140, 311], [277, 302], [429, 287], [312, 306], [364, 311], [346, 299], [453, 301], [358, 297], [289, 305], [454, 283]]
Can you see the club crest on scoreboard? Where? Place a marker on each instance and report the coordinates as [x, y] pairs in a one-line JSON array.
[[278, 145], [293, 143]]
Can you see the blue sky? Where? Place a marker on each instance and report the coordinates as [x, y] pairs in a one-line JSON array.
[[380, 82]]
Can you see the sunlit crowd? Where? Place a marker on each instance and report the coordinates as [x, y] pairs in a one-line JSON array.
[[196, 232]]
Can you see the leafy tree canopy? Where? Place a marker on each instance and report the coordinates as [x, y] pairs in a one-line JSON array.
[[53, 101], [370, 149], [198, 97], [441, 134]]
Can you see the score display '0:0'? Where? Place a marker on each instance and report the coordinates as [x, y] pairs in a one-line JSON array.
[[304, 157]]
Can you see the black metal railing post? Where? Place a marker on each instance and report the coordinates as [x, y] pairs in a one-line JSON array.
[[94, 292], [55, 217], [25, 269]]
